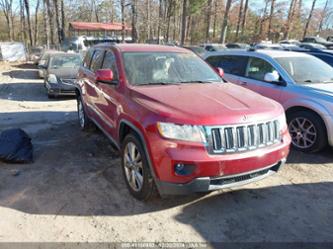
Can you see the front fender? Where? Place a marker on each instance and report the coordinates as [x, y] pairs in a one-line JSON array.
[[313, 105]]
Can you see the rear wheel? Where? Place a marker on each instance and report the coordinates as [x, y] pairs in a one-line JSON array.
[[84, 121], [136, 170], [307, 131]]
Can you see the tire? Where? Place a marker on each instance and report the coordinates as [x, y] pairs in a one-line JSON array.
[[147, 190], [50, 96], [305, 137], [84, 122]]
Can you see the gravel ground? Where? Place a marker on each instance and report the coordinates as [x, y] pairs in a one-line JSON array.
[[74, 191]]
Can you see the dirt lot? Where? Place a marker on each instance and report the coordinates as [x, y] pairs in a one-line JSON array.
[[74, 191]]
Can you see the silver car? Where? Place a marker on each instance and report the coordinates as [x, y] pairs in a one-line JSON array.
[[302, 83]]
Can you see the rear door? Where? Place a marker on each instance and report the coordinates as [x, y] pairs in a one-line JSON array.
[[109, 96]]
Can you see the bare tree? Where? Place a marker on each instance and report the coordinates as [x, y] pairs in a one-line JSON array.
[[134, 21], [122, 8], [159, 24], [27, 9], [183, 29], [36, 23], [208, 14], [22, 21], [57, 19], [225, 21], [290, 18], [6, 7], [244, 16], [62, 11], [309, 18], [271, 15], [239, 18], [263, 19], [46, 24], [322, 17], [149, 33]]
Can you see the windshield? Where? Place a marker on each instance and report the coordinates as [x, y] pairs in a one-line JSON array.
[[306, 70], [167, 68], [65, 61]]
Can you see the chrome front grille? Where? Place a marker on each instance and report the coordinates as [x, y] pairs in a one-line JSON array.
[[229, 139]]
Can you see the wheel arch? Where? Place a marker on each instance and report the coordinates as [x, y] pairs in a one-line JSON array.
[[126, 127], [294, 109]]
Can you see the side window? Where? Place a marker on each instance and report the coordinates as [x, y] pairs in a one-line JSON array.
[[257, 68], [87, 58], [97, 60], [235, 65], [214, 60], [110, 63]]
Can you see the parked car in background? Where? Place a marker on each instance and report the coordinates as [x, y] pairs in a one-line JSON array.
[[302, 83], [291, 47], [318, 40], [325, 55], [330, 38], [312, 46], [196, 49], [212, 47], [35, 54], [141, 97], [61, 70], [291, 41], [237, 45], [273, 46], [42, 63]]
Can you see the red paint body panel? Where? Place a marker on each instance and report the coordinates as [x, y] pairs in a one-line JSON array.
[[195, 104]]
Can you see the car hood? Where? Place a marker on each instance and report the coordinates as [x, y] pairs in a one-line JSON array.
[[321, 88], [65, 72], [213, 104]]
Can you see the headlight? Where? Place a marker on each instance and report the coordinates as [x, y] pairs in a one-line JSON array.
[[192, 133], [282, 122], [52, 79]]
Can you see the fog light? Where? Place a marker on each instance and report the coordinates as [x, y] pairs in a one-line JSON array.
[[183, 169]]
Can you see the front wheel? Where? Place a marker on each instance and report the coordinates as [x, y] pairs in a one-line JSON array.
[[307, 131], [136, 170]]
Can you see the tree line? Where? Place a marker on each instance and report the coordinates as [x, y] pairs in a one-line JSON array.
[[45, 22]]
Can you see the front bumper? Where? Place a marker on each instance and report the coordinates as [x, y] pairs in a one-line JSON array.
[[60, 89], [206, 184]]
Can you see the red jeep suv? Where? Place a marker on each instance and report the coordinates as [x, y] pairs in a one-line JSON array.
[[180, 128]]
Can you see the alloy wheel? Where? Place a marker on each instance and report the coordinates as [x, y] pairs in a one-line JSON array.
[[303, 132], [133, 166]]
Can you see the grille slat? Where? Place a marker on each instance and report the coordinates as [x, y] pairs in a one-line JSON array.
[[227, 139]]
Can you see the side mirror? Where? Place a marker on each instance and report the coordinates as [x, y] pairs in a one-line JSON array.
[[272, 77], [219, 71], [104, 75]]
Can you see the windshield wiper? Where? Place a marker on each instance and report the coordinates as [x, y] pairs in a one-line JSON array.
[[157, 83], [198, 81]]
